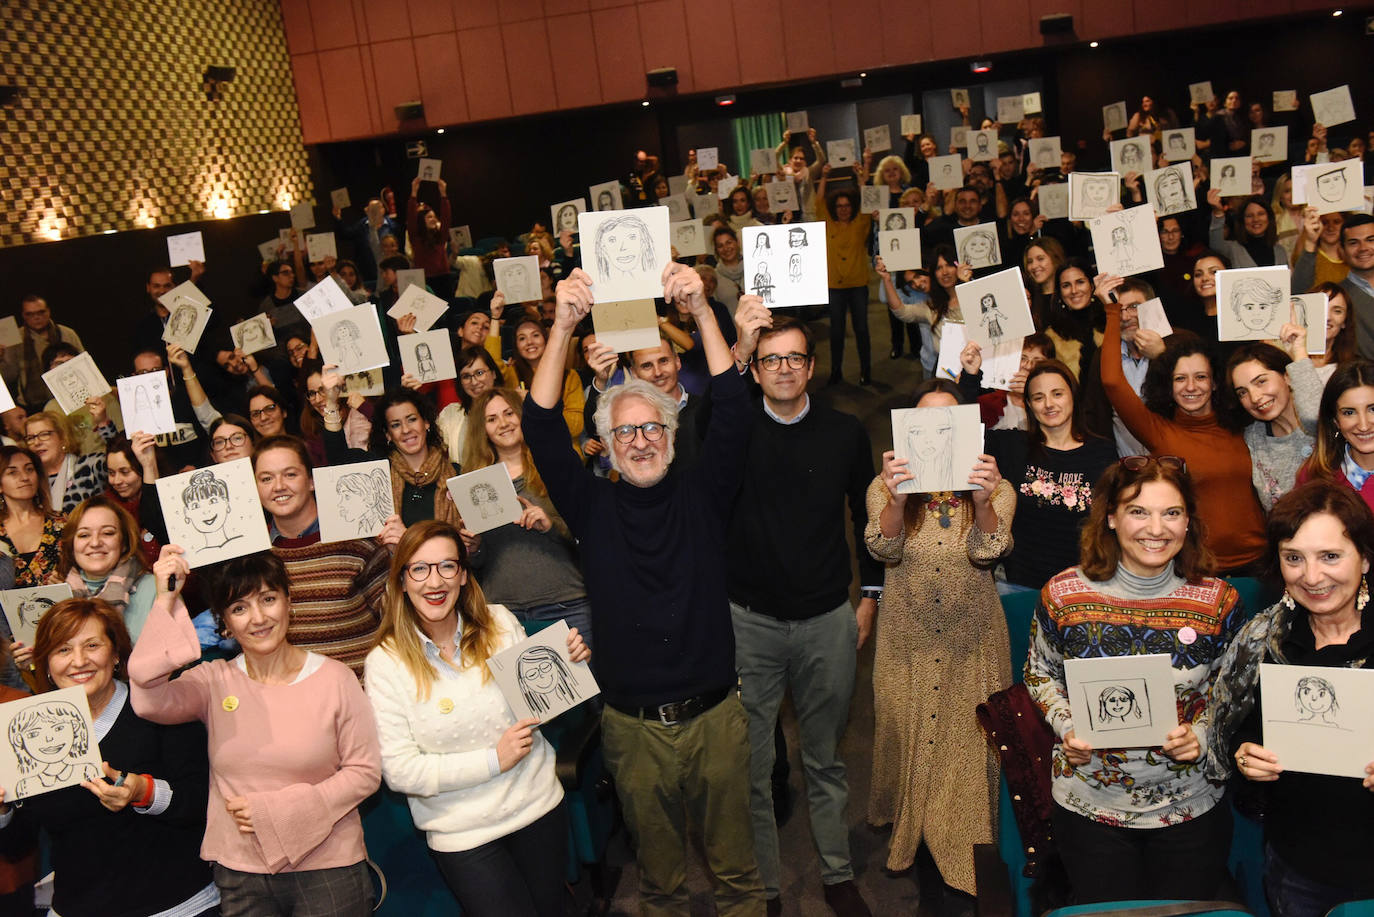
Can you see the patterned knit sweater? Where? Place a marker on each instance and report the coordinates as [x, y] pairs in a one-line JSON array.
[[1076, 618], [336, 595]]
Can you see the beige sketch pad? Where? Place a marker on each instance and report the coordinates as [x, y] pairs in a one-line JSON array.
[[626, 326]]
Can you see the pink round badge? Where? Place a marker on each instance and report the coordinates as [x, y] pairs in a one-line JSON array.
[[1187, 636]]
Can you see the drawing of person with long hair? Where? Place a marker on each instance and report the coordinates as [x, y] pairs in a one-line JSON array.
[[623, 247], [978, 248], [990, 316], [364, 499], [930, 445], [545, 677], [1115, 705], [345, 337], [48, 740], [1315, 698]]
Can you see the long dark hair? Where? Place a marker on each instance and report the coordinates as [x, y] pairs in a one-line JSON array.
[[476, 354], [1077, 325], [1261, 352], [1271, 232], [381, 443], [939, 296], [1035, 434], [1328, 448], [1342, 349]]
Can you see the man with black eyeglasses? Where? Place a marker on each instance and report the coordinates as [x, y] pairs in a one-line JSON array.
[[674, 732], [788, 574]]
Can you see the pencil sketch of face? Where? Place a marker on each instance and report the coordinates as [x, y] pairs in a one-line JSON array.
[[1115, 705], [894, 245], [252, 336], [603, 201], [895, 221], [686, 235], [796, 237], [1097, 191], [1176, 143], [930, 443], [344, 336], [947, 170], [1331, 185], [1315, 699], [486, 499], [794, 268], [981, 141], [47, 740], [1228, 172], [31, 609], [1255, 303], [567, 218], [183, 321], [1299, 310], [545, 678], [205, 507], [516, 277], [1266, 142], [1131, 155], [763, 246], [1169, 191], [623, 247], [364, 499], [978, 248]]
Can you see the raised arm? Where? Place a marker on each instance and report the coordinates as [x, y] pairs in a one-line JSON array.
[[573, 302]]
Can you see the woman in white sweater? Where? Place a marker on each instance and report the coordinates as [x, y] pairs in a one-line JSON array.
[[480, 783]]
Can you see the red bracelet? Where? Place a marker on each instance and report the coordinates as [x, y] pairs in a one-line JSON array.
[[148, 794]]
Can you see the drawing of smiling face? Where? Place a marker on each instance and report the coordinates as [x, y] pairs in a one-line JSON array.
[[207, 515], [624, 245], [978, 249], [49, 742], [1119, 235], [1315, 696], [537, 674], [1253, 313], [1117, 702], [1331, 186], [1096, 191]]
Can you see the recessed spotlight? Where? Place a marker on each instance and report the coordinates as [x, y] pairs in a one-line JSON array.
[[645, 103], [439, 131], [1092, 44], [109, 232], [1336, 12], [264, 211], [863, 75], [725, 100]]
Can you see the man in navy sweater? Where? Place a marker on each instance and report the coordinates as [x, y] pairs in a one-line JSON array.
[[674, 732], [788, 574]]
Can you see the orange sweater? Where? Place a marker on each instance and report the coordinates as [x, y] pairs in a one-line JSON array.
[[1218, 461], [846, 247]]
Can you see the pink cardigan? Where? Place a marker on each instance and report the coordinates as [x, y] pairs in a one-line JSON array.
[[305, 754]]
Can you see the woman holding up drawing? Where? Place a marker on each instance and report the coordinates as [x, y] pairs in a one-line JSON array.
[[481, 784], [1138, 822], [1321, 542]]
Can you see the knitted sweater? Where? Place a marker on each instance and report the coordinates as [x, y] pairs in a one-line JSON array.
[[1277, 458], [336, 595], [846, 247]]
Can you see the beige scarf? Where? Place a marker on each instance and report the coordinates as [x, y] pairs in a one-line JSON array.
[[437, 469]]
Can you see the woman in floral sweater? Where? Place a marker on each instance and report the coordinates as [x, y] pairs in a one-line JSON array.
[[1053, 465], [1135, 822]]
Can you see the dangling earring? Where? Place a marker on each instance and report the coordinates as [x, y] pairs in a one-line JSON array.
[[1362, 599], [1287, 601]]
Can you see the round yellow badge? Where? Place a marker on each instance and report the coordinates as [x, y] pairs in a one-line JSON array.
[[230, 703], [445, 706]]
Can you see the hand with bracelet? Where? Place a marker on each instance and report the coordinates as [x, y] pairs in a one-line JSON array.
[[332, 383], [122, 789]]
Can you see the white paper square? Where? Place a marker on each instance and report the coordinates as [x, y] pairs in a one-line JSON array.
[[1201, 93], [958, 136], [708, 157], [762, 162], [911, 124], [841, 153], [797, 122], [486, 498], [1309, 311], [1269, 144], [424, 305], [1337, 187], [1131, 155], [1030, 103], [1231, 176], [940, 445], [703, 205], [1252, 303], [428, 355], [786, 264], [1285, 100], [900, 249], [1011, 109], [1091, 193], [1001, 362], [539, 679], [354, 500], [606, 196], [1151, 316], [460, 237], [24, 608], [146, 404], [782, 195], [189, 314], [872, 197], [253, 334], [271, 250], [339, 198], [995, 308], [1318, 719], [213, 513], [958, 98], [678, 208], [1126, 242], [1332, 107], [75, 382], [518, 278], [22, 774], [626, 252], [429, 169], [320, 300], [320, 245], [185, 248], [1179, 143], [565, 215], [689, 237], [1170, 189], [351, 339], [982, 145], [1054, 200], [626, 326], [1114, 116], [978, 246], [1045, 152], [411, 277], [303, 216], [946, 172], [1122, 701], [896, 218], [725, 186], [878, 139]]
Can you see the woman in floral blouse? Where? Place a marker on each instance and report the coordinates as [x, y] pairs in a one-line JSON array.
[[29, 529], [1053, 465]]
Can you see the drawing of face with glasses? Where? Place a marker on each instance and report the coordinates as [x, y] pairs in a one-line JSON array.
[[544, 678]]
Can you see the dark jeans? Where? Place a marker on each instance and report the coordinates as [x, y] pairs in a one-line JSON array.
[[1292, 894], [519, 875], [578, 613], [342, 891], [854, 302], [1186, 861]]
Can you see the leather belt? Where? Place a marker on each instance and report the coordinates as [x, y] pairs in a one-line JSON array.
[[676, 712]]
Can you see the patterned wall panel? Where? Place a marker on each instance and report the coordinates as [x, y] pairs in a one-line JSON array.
[[113, 131]]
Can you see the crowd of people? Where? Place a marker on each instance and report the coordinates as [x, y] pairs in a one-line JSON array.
[[697, 516]]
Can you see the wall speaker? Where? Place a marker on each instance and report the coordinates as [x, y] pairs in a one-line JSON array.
[[1056, 24], [410, 111]]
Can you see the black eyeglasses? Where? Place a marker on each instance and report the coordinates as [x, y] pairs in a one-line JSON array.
[[625, 433], [260, 413], [1141, 462], [773, 362], [472, 376], [224, 442], [419, 571]]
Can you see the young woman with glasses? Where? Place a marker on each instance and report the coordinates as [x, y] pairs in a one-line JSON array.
[[478, 372]]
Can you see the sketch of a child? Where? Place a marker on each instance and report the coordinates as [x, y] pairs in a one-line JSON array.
[[978, 249], [623, 247], [345, 336], [47, 740], [1115, 705], [990, 316], [486, 499], [1315, 700], [930, 443], [1255, 304], [544, 677], [424, 362], [364, 499], [763, 283], [205, 502]]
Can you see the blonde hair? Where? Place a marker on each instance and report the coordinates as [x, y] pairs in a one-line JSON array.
[[59, 423], [891, 161], [477, 450]]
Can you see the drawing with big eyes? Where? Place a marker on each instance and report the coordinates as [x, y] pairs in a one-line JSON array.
[[1255, 304], [48, 741], [794, 268], [205, 503], [623, 247], [364, 499], [543, 676], [1315, 700], [1116, 705]]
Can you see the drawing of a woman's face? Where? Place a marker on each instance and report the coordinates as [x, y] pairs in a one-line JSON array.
[[1169, 190], [49, 742], [1097, 192], [1119, 235], [1315, 695], [624, 246], [207, 515], [1228, 173], [1118, 702], [978, 248], [538, 674], [1131, 155], [928, 434], [567, 218], [895, 221]]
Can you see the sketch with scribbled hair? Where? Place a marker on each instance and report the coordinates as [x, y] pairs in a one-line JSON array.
[[1255, 304], [762, 284], [486, 499], [990, 316], [345, 337], [1315, 700], [930, 444], [544, 676], [48, 741], [364, 499], [623, 247], [205, 503], [1116, 705], [979, 248]]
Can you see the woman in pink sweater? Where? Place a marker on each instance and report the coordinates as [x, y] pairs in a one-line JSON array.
[[292, 743]]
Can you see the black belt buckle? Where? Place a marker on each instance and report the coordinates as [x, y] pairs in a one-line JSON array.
[[674, 713]]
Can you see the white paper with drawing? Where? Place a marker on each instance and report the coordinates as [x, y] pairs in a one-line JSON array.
[[797, 122], [460, 237], [679, 210], [24, 607], [958, 98], [352, 339], [785, 264], [430, 168], [1091, 193], [1309, 311], [428, 355], [1285, 100], [1011, 109], [1122, 701], [708, 158], [253, 334], [1114, 116], [75, 382], [1045, 152], [894, 218], [52, 743], [424, 305], [565, 215], [188, 313], [1170, 189], [1126, 242], [782, 195], [1318, 719], [940, 445], [626, 326], [982, 145], [958, 136], [762, 162], [184, 248], [1252, 303], [1053, 200], [214, 513], [339, 198], [625, 252], [1200, 93], [303, 216], [539, 679], [952, 340], [320, 245], [1152, 317], [321, 300], [606, 196], [1131, 155], [703, 205], [1231, 175], [872, 197], [841, 153], [486, 498], [1001, 362], [1336, 187], [900, 249], [354, 500], [1179, 144], [978, 246], [995, 308], [689, 237], [878, 139], [1269, 144], [911, 124], [946, 172], [725, 186], [1030, 103], [518, 278], [146, 403], [1332, 107]]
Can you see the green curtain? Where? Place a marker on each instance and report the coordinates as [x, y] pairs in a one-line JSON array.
[[755, 132]]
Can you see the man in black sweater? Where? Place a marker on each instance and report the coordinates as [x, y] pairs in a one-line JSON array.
[[674, 732], [788, 574]]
